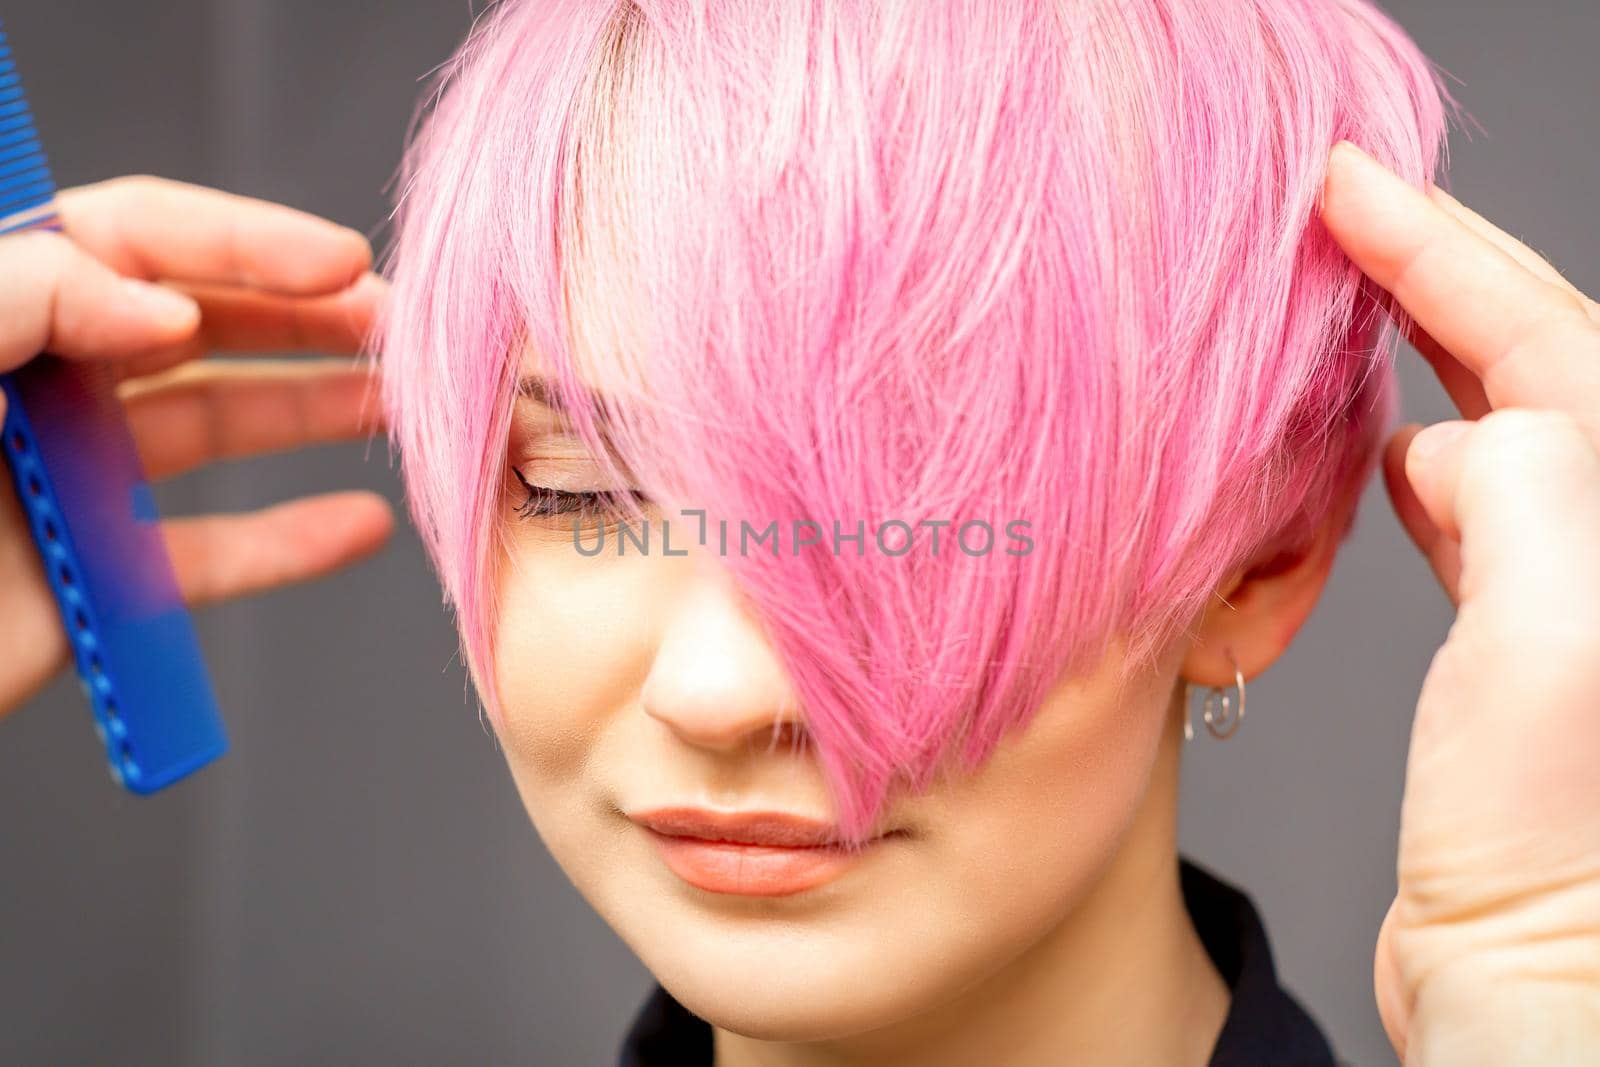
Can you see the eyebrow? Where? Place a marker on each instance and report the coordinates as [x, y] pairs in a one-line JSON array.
[[538, 390], [541, 391]]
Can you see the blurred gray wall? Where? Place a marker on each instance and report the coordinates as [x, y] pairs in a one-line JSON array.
[[357, 881]]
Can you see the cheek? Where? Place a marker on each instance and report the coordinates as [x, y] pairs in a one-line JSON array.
[[572, 644], [1032, 832]]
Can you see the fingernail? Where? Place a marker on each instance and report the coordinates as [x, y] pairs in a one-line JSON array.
[[1432, 440], [371, 284], [1352, 147], [1356, 156], [168, 307]]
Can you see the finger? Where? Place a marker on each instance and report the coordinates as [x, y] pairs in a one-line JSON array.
[[1520, 491], [1460, 384], [158, 228], [217, 557], [233, 319], [1442, 554], [214, 409], [56, 298], [1532, 261], [1530, 342], [244, 320]]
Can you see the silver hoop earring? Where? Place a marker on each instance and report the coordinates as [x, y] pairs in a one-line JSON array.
[[1222, 723]]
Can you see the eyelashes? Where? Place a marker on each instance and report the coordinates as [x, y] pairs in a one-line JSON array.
[[544, 502]]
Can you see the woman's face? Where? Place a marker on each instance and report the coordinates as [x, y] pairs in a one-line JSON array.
[[640, 683]]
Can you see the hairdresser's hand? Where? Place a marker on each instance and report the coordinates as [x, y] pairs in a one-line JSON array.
[[236, 275], [1490, 952]]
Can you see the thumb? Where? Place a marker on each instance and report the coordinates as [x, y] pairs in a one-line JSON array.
[[1519, 490], [1388, 983], [1442, 553], [56, 298]]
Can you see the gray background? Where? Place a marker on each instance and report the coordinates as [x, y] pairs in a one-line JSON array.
[[357, 882]]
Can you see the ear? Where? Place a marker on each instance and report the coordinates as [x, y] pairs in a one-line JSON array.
[[1261, 606]]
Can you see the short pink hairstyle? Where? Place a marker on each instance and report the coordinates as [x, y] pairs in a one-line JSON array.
[[840, 260]]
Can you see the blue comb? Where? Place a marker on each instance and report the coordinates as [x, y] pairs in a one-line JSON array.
[[92, 515]]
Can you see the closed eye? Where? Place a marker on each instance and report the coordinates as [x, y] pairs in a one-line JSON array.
[[544, 501]]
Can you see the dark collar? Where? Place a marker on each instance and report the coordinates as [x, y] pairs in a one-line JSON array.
[[1265, 1026]]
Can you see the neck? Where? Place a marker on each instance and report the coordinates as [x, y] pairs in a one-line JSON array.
[[1122, 979]]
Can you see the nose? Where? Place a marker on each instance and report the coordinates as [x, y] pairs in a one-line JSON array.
[[715, 680]]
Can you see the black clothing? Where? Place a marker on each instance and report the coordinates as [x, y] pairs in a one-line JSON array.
[[1265, 1027]]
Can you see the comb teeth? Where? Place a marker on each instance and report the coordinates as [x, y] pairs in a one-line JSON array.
[[27, 191]]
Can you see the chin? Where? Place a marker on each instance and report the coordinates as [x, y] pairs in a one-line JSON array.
[[784, 1007], [794, 981]]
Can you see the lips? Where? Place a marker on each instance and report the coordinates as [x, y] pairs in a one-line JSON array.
[[772, 828], [753, 853]]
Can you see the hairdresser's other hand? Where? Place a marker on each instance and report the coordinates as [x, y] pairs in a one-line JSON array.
[[1490, 952], [148, 276]]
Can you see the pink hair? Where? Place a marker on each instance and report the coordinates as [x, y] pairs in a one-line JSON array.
[[910, 259]]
